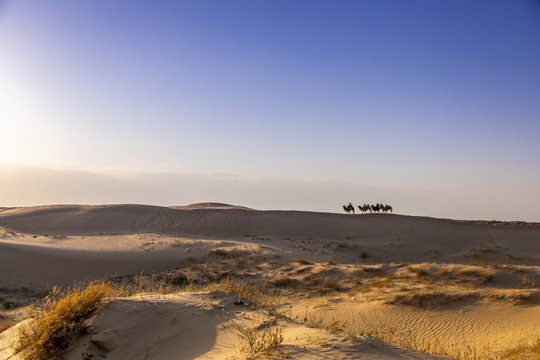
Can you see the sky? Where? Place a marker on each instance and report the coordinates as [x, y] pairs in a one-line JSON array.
[[430, 106]]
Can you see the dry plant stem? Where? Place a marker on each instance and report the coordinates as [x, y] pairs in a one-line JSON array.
[[258, 341], [524, 351]]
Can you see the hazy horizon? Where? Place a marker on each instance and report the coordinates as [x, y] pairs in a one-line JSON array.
[[63, 187], [431, 107]]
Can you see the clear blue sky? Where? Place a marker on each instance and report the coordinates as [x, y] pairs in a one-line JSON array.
[[400, 97]]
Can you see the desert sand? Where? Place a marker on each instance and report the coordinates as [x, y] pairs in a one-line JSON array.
[[370, 286]]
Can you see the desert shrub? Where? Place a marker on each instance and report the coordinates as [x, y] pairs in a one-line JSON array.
[[251, 294], [364, 255], [302, 269], [303, 262], [283, 282], [257, 341], [386, 282], [8, 304], [519, 297], [485, 278], [524, 351], [468, 272], [286, 267], [6, 323], [331, 284], [338, 327], [61, 316], [444, 272], [527, 282], [240, 263], [218, 252], [416, 271]]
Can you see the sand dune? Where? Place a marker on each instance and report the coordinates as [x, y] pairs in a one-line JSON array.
[[424, 236], [444, 281], [192, 326]]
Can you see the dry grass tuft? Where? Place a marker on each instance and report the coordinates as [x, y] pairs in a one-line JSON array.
[[444, 272], [386, 282], [485, 277], [218, 252], [61, 317], [528, 282], [338, 327], [331, 284], [258, 341], [8, 304], [524, 351], [519, 297], [249, 293], [283, 282], [6, 323], [416, 271]]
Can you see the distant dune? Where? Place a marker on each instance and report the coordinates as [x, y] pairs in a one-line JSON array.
[[419, 238]]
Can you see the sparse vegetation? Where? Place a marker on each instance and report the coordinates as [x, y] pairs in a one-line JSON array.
[[527, 282], [8, 304], [338, 327], [331, 284], [485, 278], [302, 269], [283, 282], [394, 284], [218, 252], [386, 282], [417, 271], [240, 263], [61, 316], [258, 341], [444, 272], [523, 351], [6, 323], [519, 297]]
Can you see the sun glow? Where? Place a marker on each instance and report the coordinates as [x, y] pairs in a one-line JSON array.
[[28, 130]]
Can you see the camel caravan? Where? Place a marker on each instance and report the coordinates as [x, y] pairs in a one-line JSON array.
[[349, 209]]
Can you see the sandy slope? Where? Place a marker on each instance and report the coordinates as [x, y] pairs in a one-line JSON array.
[[96, 241], [193, 326], [469, 289], [200, 326]]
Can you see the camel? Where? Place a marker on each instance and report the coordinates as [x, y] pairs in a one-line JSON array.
[[349, 208], [364, 208]]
